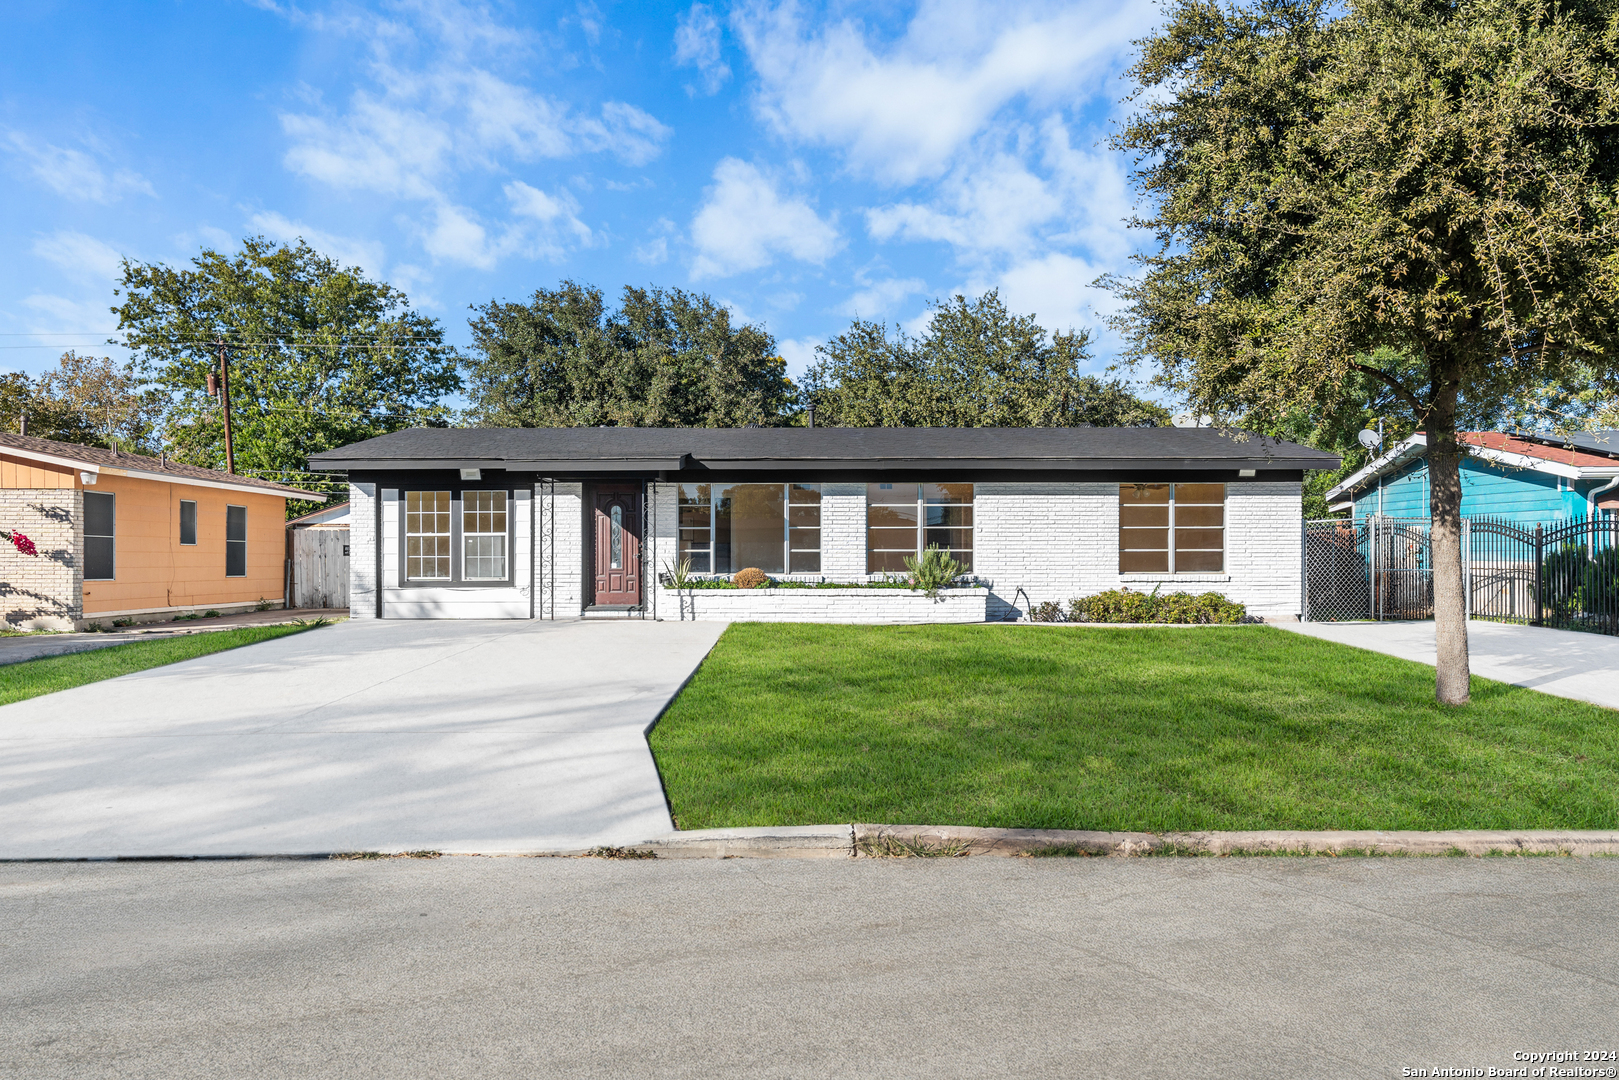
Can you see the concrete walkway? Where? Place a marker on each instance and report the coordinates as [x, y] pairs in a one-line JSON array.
[[490, 737], [1562, 662], [14, 650]]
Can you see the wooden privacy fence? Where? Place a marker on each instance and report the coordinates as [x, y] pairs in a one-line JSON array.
[[319, 568]]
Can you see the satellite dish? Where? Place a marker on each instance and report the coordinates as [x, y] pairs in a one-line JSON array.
[[1370, 439]]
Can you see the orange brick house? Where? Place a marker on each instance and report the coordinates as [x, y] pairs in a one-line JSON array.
[[126, 536]]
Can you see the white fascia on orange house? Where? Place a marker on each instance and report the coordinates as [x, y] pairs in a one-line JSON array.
[[126, 536]]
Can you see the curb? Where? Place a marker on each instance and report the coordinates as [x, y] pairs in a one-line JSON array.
[[901, 841]]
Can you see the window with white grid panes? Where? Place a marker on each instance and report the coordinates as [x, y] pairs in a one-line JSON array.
[[427, 535], [905, 519], [1171, 528], [774, 527], [483, 535]]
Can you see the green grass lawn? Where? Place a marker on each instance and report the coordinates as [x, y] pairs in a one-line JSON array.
[[31, 678], [1153, 730]]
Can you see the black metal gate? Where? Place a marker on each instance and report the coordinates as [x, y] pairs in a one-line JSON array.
[[1563, 574], [1380, 568]]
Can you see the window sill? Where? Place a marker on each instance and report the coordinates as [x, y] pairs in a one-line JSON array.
[[1174, 577]]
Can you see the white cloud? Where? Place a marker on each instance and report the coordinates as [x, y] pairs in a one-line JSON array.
[[553, 216], [62, 315], [438, 106], [745, 222], [1057, 289], [75, 174], [990, 206], [697, 44], [653, 252], [80, 256], [349, 251], [799, 354], [877, 298], [901, 111], [457, 237]]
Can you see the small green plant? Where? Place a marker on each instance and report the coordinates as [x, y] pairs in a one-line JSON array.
[[210, 614], [95, 628], [679, 575], [312, 623], [933, 570], [123, 622], [184, 618], [1047, 611], [263, 605], [620, 853], [899, 847]]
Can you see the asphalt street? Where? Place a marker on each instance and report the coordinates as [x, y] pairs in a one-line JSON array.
[[979, 967]]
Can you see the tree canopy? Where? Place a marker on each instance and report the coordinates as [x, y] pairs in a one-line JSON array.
[[85, 399], [320, 355], [1416, 193], [976, 365], [663, 358]]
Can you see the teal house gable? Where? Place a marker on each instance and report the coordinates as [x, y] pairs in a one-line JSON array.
[[1522, 479]]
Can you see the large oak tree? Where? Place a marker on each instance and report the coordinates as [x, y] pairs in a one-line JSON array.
[[1429, 183]]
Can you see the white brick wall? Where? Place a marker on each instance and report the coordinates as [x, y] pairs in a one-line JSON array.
[[822, 605], [456, 602], [363, 548], [562, 555], [45, 591], [1032, 542], [1059, 541]]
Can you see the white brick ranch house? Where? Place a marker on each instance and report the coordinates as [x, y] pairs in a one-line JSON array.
[[559, 523]]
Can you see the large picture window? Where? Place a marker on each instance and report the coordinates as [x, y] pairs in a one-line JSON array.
[[727, 527], [1171, 528], [903, 520], [483, 535], [100, 510]]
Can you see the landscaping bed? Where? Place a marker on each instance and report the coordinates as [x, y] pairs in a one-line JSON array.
[[1239, 728]]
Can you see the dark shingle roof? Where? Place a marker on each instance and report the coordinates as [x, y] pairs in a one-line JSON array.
[[108, 459], [625, 448]]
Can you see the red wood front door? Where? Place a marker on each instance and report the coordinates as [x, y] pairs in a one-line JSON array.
[[617, 519]]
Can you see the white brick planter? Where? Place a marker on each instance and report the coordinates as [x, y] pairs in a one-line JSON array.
[[823, 605]]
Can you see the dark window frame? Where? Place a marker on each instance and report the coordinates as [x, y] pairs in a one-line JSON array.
[[241, 544], [183, 504], [687, 534], [112, 536], [457, 578]]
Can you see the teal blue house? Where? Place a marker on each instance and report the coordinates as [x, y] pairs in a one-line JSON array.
[[1514, 477]]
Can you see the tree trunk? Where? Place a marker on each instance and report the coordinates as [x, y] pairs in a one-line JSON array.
[[1445, 506]]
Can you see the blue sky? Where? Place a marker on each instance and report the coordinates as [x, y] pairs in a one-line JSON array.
[[802, 164]]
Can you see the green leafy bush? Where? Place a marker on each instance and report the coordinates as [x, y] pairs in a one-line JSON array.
[[1125, 606]]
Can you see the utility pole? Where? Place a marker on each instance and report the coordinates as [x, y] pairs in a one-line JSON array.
[[224, 397]]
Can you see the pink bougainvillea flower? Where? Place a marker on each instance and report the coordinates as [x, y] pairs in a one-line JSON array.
[[23, 544]]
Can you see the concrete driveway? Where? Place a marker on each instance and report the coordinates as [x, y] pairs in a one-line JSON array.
[[1561, 662], [488, 737]]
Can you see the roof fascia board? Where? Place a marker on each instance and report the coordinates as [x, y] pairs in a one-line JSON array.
[[1392, 458], [50, 459], [1554, 468], [592, 465], [1027, 464], [193, 481]]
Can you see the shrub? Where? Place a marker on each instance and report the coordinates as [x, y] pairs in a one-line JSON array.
[[1125, 606], [934, 570], [749, 578], [1046, 611]]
